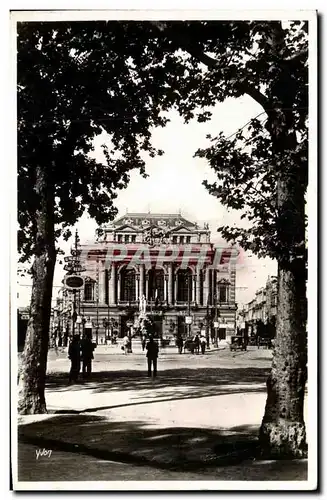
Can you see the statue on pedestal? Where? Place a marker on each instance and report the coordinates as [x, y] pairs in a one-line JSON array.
[[142, 306]]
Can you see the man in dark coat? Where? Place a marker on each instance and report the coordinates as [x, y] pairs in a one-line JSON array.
[[152, 356], [180, 343], [74, 354], [87, 348], [197, 344]]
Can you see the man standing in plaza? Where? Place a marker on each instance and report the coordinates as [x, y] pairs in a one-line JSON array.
[[180, 343], [74, 354], [152, 356], [203, 343], [87, 348], [125, 345]]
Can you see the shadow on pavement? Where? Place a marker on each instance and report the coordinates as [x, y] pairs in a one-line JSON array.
[[174, 448], [204, 378]]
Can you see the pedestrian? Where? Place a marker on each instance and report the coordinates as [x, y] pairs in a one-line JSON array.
[[179, 344], [143, 342], [152, 356], [212, 337], [203, 343], [74, 354], [197, 344], [87, 348], [126, 344]]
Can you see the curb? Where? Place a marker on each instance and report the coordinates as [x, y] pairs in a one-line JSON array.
[[182, 464]]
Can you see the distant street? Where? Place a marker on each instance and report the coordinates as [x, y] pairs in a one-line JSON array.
[[197, 421]]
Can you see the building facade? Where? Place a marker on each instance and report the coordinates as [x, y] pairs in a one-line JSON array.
[[166, 260], [260, 313]]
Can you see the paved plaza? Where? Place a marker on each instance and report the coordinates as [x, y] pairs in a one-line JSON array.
[[198, 420]]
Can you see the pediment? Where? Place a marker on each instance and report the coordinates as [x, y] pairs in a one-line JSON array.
[[224, 281], [88, 279], [182, 229], [125, 228], [187, 223]]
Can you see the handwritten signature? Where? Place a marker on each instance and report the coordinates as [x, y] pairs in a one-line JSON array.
[[43, 453]]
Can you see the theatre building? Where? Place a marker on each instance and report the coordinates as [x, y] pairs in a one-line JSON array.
[[170, 262]]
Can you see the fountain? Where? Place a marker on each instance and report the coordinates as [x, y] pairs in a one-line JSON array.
[[143, 323]]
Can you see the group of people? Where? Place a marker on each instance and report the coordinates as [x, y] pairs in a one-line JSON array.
[[80, 350], [193, 344]]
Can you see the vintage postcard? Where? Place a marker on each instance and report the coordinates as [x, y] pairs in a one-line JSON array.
[[162, 336]]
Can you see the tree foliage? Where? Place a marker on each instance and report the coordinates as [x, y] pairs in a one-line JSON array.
[[267, 61], [76, 80]]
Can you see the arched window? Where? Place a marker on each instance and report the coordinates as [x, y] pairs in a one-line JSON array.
[[127, 292], [184, 285], [223, 289], [89, 290], [222, 293], [156, 284]]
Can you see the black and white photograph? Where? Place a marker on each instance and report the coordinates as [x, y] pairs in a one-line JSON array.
[[162, 334]]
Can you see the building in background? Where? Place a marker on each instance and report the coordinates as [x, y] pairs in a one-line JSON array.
[[259, 315], [167, 260], [23, 314]]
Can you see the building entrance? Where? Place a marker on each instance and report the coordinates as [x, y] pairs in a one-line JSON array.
[[182, 327], [156, 326], [222, 334]]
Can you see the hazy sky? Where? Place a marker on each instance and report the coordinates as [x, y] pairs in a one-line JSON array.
[[175, 183]]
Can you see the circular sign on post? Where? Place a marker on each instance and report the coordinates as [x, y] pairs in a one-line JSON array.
[[74, 282], [188, 320]]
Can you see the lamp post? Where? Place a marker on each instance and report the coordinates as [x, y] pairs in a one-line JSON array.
[[129, 323], [188, 305], [207, 325], [74, 315], [97, 303], [79, 312], [108, 300], [216, 321]]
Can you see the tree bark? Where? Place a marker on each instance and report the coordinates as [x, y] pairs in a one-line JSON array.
[[282, 432], [32, 372]]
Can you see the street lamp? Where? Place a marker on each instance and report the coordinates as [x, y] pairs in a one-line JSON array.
[[188, 318], [216, 321], [108, 299], [207, 325]]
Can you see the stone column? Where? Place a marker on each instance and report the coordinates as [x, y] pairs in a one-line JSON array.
[[233, 282], [175, 286], [112, 285], [118, 288], [147, 286], [198, 285], [193, 288], [141, 280], [102, 285], [170, 283], [137, 284], [206, 286], [165, 287]]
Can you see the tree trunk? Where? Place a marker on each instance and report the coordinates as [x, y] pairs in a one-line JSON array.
[[282, 432], [33, 366]]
